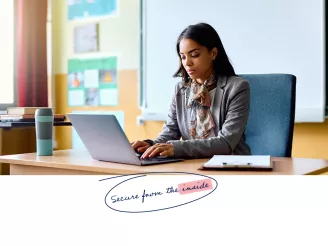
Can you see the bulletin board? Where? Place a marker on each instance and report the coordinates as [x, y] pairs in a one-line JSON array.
[[92, 82], [81, 9]]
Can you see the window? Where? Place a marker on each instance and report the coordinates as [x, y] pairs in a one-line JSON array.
[[7, 44]]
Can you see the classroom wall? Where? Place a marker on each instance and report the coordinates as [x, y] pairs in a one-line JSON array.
[[119, 36]]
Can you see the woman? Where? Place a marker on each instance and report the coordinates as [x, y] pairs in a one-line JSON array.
[[210, 107]]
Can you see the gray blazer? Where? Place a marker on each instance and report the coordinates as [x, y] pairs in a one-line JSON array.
[[230, 110]]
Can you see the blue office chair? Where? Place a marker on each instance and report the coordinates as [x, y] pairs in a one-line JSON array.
[[270, 126]]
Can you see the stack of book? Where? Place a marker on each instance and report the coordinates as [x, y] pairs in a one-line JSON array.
[[24, 114]]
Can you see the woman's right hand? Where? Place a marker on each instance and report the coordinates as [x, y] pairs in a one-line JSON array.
[[140, 146]]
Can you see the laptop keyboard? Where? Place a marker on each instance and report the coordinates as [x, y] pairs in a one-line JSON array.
[[157, 158]]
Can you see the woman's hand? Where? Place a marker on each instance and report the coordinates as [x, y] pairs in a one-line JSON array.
[[159, 149], [140, 146]]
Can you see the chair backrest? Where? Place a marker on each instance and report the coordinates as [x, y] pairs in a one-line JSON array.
[[270, 126]]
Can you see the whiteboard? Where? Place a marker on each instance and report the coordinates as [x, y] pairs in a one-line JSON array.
[[260, 36]]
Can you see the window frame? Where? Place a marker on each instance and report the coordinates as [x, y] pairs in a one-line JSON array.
[[3, 106]]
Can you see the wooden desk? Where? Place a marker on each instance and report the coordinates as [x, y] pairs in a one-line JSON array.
[[80, 162], [19, 137]]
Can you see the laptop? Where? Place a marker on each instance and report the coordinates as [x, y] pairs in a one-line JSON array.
[[105, 140]]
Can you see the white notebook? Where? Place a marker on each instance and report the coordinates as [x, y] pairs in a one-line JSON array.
[[239, 161]]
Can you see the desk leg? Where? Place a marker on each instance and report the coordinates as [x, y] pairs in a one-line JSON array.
[[4, 168], [1, 165]]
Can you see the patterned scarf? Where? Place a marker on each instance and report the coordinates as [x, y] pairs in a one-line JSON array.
[[201, 120]]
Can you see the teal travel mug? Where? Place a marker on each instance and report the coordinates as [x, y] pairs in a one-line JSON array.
[[44, 120]]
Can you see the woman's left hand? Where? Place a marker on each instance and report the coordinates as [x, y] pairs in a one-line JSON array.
[[159, 149]]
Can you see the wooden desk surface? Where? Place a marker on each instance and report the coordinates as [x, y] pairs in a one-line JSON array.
[[80, 162]]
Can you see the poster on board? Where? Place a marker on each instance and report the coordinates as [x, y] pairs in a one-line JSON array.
[[86, 38], [82, 9], [92, 82]]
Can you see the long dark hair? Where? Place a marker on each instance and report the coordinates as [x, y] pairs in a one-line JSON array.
[[205, 35]]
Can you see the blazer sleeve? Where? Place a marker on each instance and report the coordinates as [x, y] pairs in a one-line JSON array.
[[231, 132], [170, 130]]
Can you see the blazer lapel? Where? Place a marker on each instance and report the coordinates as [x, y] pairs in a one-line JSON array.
[[218, 111]]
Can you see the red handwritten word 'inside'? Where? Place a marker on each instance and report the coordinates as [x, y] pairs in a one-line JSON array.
[[195, 186]]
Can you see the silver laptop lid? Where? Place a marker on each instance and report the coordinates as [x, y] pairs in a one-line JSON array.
[[104, 138]]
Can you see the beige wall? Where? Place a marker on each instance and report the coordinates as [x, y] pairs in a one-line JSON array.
[[119, 36]]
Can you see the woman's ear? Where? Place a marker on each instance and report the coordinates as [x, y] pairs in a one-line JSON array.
[[214, 53]]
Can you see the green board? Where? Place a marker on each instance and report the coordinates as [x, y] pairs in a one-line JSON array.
[[92, 82]]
